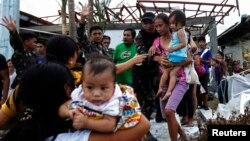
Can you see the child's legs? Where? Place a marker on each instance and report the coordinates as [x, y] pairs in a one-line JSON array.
[[172, 80], [164, 77]]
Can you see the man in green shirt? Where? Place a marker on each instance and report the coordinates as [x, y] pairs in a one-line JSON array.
[[123, 52]]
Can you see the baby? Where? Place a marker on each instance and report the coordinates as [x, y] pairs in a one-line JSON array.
[[104, 105]]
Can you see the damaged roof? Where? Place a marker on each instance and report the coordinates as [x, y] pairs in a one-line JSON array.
[[235, 32]]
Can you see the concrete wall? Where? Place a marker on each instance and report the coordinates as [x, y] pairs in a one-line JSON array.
[[116, 37], [237, 50]]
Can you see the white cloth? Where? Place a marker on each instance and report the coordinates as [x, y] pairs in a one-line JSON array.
[[12, 77], [82, 135], [237, 84], [109, 108]]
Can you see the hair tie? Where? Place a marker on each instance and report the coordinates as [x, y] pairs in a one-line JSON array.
[[28, 112]]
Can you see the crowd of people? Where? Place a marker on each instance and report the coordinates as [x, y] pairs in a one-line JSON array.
[[64, 89]]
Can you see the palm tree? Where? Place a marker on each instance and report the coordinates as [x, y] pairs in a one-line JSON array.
[[99, 8], [72, 24]]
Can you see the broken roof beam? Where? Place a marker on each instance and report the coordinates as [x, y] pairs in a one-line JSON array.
[[198, 9], [226, 14], [156, 10], [131, 14], [212, 11], [107, 14], [115, 15], [162, 9], [182, 2], [199, 20]]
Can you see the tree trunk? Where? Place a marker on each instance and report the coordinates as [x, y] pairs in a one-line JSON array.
[[64, 17], [72, 23], [91, 17]]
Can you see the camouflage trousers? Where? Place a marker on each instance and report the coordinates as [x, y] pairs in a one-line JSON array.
[[147, 102]]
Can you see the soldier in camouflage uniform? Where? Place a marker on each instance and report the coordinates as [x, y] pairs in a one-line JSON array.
[[94, 44], [144, 76], [25, 53]]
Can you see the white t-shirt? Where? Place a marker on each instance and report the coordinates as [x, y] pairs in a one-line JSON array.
[[82, 135], [110, 107]]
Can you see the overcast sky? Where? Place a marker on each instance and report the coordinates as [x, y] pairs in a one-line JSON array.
[[43, 8]]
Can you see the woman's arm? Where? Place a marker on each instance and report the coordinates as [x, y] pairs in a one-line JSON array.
[[120, 68], [167, 63], [158, 58], [64, 110], [131, 134]]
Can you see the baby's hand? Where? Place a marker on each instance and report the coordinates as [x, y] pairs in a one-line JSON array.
[[79, 119], [72, 113]]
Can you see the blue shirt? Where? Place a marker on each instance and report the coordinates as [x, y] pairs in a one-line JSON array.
[[206, 57], [178, 55]]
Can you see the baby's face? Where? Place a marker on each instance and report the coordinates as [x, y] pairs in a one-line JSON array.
[[98, 88], [175, 26]]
